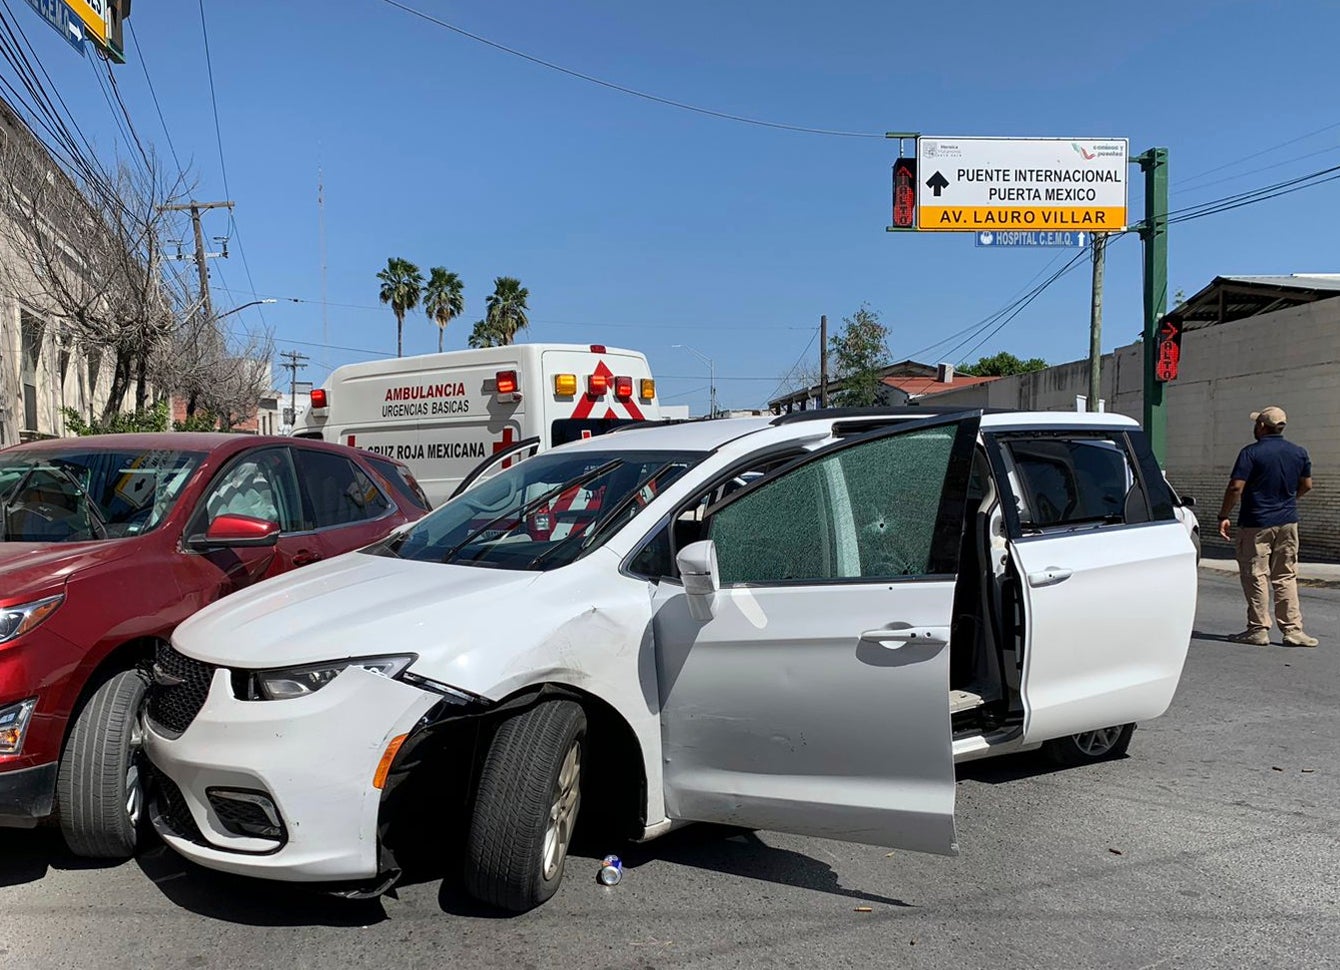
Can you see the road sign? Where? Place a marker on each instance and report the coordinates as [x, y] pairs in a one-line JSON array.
[[63, 20], [1022, 184], [93, 15], [1014, 239]]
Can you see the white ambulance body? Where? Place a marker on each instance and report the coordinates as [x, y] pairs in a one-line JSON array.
[[442, 414]]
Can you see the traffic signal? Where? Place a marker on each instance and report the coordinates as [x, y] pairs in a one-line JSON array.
[[905, 193], [1169, 350]]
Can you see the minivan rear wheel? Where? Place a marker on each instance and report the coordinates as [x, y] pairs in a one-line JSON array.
[[1090, 746], [525, 806], [100, 782]]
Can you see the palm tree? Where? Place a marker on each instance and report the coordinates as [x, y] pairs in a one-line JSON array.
[[507, 308], [402, 285], [443, 300], [485, 334]]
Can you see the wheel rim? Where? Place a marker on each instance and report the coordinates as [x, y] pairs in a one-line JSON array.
[[563, 811], [134, 788], [1097, 743]]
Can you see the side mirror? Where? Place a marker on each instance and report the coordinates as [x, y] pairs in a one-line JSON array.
[[236, 532], [1188, 501], [698, 569]]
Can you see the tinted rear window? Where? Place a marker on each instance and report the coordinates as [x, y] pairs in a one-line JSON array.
[[574, 429], [401, 482]]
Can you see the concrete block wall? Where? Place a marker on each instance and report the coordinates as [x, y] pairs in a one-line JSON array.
[[1290, 358]]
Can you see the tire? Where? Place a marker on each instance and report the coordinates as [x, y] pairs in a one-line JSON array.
[[531, 776], [1090, 746], [100, 783]]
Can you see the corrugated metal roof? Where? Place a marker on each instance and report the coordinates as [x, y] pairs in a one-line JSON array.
[[1229, 298], [1303, 281]]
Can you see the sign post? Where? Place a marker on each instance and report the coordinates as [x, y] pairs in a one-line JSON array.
[[1023, 184]]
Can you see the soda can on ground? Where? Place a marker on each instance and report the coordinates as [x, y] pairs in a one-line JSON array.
[[611, 871]]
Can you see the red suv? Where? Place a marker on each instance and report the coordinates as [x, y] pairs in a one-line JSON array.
[[106, 544]]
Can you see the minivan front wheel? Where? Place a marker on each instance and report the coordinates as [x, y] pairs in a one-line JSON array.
[[100, 783], [525, 806], [1090, 746]]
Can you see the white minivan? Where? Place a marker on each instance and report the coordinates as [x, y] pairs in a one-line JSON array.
[[797, 624], [441, 414]]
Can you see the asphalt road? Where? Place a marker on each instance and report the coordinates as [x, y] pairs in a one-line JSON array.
[[1214, 844]]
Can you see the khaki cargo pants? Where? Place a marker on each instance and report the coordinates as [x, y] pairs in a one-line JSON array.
[[1268, 560]]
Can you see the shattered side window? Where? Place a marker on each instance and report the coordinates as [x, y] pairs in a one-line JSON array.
[[867, 511], [779, 533], [894, 487]]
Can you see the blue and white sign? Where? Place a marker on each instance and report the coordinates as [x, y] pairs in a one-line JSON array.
[[63, 20], [994, 239]]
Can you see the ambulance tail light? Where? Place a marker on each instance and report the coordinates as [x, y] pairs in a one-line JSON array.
[[319, 399], [506, 386], [565, 385], [623, 388], [597, 348], [597, 384], [647, 389]]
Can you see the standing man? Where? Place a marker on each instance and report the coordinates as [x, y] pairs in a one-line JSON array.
[[1269, 476]]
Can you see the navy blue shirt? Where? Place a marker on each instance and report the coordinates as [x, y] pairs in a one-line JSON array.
[[1271, 467]]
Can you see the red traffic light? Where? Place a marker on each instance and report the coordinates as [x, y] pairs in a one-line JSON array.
[[905, 193]]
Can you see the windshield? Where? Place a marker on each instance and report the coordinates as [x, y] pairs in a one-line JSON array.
[[543, 513], [83, 494]]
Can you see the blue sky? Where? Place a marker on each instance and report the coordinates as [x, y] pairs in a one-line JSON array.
[[641, 225]]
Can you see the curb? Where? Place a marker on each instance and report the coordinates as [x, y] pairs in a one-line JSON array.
[[1230, 571]]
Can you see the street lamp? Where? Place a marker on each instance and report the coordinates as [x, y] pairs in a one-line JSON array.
[[244, 306], [711, 374]]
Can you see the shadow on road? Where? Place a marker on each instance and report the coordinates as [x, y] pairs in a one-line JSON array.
[[251, 902], [27, 854], [739, 852], [1016, 767]]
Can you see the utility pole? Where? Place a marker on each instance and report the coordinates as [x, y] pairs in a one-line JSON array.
[[1096, 322], [195, 208], [823, 361], [293, 362], [1154, 234]]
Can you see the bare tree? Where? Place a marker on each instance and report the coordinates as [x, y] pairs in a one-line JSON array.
[[86, 256], [221, 374]]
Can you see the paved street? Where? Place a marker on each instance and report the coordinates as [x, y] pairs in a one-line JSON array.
[[1214, 844]]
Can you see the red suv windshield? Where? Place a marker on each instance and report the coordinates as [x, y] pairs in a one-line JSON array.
[[86, 493]]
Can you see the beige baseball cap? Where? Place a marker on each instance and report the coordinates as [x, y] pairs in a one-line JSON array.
[[1273, 416]]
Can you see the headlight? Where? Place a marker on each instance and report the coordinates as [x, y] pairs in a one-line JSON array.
[[289, 682], [14, 725], [15, 621]]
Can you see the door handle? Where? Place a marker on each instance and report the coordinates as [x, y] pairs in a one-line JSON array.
[[893, 639], [305, 557], [1049, 576]]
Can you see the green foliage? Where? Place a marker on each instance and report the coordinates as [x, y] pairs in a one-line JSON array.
[[200, 421], [859, 353], [1002, 364], [506, 310], [444, 299], [148, 419], [485, 334], [402, 285]]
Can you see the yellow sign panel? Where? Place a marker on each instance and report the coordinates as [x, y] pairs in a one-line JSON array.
[[93, 14], [960, 217]]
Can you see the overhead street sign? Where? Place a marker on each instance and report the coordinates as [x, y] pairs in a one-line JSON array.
[[62, 20], [93, 14], [1013, 239], [1022, 184]]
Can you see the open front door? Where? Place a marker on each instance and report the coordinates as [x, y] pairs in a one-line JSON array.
[[810, 692]]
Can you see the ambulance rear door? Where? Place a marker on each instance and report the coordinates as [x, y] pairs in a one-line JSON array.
[[594, 391]]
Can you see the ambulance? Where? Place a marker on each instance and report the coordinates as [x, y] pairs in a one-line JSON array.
[[443, 414]]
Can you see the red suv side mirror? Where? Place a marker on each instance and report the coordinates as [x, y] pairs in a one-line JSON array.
[[236, 532]]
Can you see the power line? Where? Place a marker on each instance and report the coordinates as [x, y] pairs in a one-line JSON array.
[[116, 92], [139, 56], [1257, 154], [223, 165], [1266, 168], [791, 373], [724, 115]]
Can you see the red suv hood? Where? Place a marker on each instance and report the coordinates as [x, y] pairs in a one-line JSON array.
[[35, 567]]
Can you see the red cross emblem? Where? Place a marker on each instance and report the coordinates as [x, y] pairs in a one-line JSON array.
[[508, 439]]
